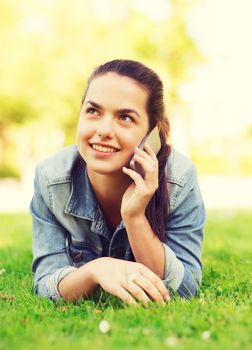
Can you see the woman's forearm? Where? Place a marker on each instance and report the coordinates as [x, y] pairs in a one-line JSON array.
[[146, 246], [79, 283]]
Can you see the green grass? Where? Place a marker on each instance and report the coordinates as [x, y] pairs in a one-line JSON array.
[[223, 307]]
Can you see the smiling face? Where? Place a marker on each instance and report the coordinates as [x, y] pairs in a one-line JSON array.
[[113, 121]]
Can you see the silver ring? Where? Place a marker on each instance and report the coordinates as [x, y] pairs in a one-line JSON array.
[[132, 277]]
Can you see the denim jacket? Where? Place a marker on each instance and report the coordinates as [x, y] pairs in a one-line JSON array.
[[64, 206]]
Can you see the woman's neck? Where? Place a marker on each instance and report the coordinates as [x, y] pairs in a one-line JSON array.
[[109, 189]]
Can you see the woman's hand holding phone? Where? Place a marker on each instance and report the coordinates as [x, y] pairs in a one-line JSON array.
[[139, 193]]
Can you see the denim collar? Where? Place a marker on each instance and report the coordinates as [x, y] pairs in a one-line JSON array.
[[82, 201]]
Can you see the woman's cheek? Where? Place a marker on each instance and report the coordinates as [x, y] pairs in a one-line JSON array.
[[81, 133]]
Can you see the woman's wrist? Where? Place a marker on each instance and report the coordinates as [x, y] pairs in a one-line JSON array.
[[81, 282], [128, 218]]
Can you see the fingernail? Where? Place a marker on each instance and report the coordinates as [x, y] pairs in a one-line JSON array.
[[167, 298]]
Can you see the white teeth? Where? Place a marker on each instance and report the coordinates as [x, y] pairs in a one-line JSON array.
[[104, 149]]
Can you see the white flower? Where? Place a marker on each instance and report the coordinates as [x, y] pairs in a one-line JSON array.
[[2, 271], [171, 341], [104, 326], [206, 335]]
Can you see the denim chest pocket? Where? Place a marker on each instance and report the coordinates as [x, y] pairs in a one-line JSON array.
[[82, 252]]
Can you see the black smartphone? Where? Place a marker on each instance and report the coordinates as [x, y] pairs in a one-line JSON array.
[[153, 139]]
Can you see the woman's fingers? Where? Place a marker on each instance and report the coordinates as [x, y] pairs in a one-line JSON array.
[[138, 288], [147, 286], [137, 178], [149, 166], [146, 158], [137, 292], [150, 151], [122, 294], [156, 281]]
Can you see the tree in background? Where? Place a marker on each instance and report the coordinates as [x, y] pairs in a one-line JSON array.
[[50, 48]]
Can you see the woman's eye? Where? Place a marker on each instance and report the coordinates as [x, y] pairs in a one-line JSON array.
[[126, 118], [91, 110]]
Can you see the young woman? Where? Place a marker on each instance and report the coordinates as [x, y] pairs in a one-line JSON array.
[[99, 223]]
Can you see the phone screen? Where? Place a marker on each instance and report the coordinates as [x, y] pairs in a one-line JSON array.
[[153, 139]]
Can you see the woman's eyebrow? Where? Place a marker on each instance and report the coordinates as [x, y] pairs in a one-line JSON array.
[[94, 104], [129, 110], [123, 110]]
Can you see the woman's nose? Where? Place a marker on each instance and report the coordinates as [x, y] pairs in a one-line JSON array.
[[106, 127]]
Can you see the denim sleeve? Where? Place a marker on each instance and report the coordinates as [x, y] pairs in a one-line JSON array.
[[50, 263], [183, 238]]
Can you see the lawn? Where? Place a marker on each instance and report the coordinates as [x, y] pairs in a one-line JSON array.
[[219, 318]]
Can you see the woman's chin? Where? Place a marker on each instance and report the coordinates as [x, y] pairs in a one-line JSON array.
[[106, 170]]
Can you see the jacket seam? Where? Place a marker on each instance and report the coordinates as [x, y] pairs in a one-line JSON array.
[[50, 194], [178, 189], [59, 182]]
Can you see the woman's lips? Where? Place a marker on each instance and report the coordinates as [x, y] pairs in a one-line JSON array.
[[102, 153], [104, 148]]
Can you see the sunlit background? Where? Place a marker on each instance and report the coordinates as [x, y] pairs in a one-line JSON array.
[[201, 49]]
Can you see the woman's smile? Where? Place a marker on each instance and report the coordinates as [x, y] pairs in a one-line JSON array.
[[101, 150]]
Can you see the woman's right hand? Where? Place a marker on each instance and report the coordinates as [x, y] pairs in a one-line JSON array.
[[129, 281]]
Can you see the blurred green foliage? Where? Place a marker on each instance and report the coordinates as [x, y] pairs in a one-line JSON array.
[[50, 49], [14, 110]]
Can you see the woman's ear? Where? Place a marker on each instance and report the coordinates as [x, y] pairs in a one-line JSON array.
[[159, 125]]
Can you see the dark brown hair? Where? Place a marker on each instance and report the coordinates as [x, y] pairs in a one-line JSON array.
[[157, 209]]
